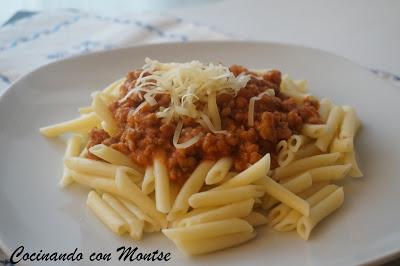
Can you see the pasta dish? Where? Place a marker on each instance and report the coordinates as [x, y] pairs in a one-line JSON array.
[[205, 153]]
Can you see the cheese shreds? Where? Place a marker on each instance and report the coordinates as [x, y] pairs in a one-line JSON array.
[[149, 98], [213, 110], [189, 86], [250, 114], [205, 122], [185, 144]]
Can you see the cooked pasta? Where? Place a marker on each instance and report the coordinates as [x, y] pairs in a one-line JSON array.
[[191, 186], [205, 153], [161, 185], [256, 219], [234, 210], [319, 212], [219, 171], [148, 184], [72, 149], [305, 164], [333, 123], [106, 214], [289, 221], [134, 223], [113, 156], [81, 124], [223, 196]]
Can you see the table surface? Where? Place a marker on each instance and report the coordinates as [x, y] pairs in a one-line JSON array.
[[364, 31]]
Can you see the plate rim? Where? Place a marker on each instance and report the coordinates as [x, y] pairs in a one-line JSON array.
[[212, 42]]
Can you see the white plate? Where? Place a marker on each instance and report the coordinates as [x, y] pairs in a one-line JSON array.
[[35, 213]]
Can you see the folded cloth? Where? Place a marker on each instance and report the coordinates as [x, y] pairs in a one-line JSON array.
[[48, 36]]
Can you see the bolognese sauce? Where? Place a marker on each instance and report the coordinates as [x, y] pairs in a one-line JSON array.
[[142, 133]]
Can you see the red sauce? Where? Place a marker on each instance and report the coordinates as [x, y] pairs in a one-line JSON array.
[[275, 118]]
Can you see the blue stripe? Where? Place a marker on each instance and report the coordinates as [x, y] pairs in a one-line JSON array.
[[5, 78], [73, 20], [381, 72], [37, 35], [142, 25]]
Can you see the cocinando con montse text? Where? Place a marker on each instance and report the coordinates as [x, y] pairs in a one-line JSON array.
[[121, 254]]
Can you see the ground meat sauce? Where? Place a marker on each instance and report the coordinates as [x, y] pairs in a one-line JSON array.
[[275, 118]]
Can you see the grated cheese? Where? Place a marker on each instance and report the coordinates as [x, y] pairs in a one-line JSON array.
[[193, 88], [187, 84], [250, 114], [185, 144]]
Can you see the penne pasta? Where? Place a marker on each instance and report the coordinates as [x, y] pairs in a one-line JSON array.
[[201, 246], [256, 219], [282, 145], [208, 230], [162, 147], [284, 195], [129, 190], [84, 122], [161, 185], [334, 119], [298, 183], [295, 142], [314, 131], [192, 185], [295, 185], [350, 158], [251, 174], [285, 157], [106, 214], [113, 156], [350, 123], [83, 153], [101, 109], [135, 225], [150, 225], [325, 106], [319, 212], [307, 151], [72, 149], [289, 222], [85, 110], [341, 145], [321, 194], [331, 172], [98, 168], [219, 171], [193, 212], [148, 180], [95, 182], [305, 164], [277, 214], [223, 196], [313, 189], [234, 210]]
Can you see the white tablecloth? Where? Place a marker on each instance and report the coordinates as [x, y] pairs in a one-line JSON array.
[[49, 36]]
